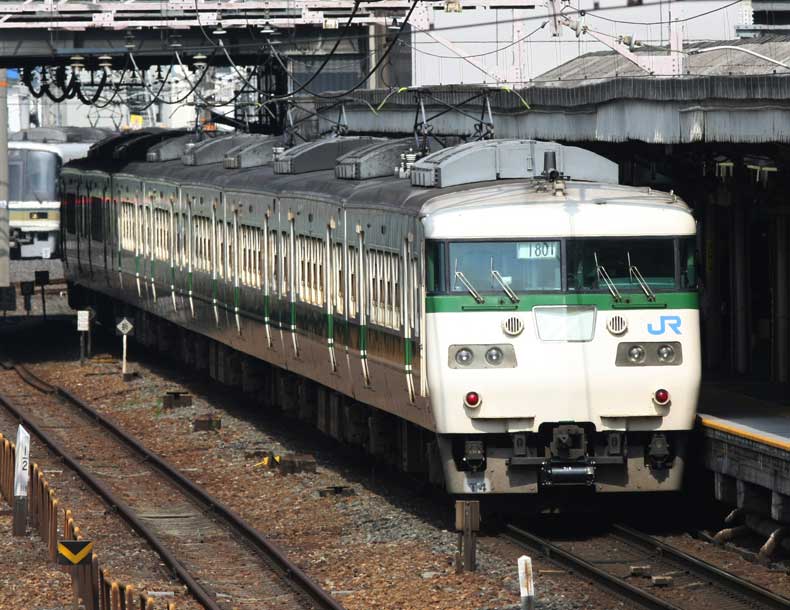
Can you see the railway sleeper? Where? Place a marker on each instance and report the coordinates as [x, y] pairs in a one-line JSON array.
[[393, 442]]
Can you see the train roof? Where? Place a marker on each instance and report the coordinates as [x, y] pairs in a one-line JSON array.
[[66, 151], [449, 188], [580, 209], [60, 135]]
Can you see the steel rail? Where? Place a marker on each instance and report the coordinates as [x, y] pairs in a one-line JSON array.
[[612, 584], [118, 505], [763, 597], [266, 549]]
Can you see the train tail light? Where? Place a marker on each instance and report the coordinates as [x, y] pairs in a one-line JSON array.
[[472, 400], [661, 397]]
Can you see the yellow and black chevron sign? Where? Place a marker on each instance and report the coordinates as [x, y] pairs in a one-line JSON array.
[[74, 552]]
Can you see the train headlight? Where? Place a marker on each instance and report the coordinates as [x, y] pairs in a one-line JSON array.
[[464, 356], [494, 356], [666, 353], [636, 353]]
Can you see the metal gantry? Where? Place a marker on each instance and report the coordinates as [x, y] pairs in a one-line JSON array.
[[68, 15]]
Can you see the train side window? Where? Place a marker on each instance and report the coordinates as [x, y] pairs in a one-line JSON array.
[[127, 226], [249, 245], [435, 266], [371, 285], [284, 262], [259, 237], [97, 218], [688, 263], [219, 232], [339, 278], [274, 261], [160, 232], [383, 288], [353, 263], [71, 213], [242, 250], [230, 247], [311, 269]]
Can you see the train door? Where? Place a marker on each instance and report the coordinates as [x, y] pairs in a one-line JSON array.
[[106, 225], [83, 262]]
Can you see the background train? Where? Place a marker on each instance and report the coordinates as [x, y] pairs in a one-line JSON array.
[[501, 315], [35, 157]]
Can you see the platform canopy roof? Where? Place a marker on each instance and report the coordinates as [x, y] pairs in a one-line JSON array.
[[729, 94]]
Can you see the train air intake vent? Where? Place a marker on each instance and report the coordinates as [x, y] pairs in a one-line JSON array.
[[501, 159], [251, 154], [317, 155], [372, 161], [513, 326], [214, 149], [617, 325]]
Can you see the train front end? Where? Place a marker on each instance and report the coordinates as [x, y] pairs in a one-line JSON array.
[[34, 206], [562, 337]]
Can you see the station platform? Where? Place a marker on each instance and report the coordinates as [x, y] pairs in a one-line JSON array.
[[746, 432]]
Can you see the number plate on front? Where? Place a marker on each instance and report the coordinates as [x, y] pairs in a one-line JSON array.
[[476, 483], [538, 249]]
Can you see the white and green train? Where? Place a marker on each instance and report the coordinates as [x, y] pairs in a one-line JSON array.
[[501, 315]]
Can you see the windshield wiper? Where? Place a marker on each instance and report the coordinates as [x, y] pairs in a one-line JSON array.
[[640, 279], [604, 276], [508, 291], [472, 290]]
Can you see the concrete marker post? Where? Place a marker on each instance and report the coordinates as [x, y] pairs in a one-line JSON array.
[[123, 361], [467, 522], [526, 583], [83, 326], [21, 481]]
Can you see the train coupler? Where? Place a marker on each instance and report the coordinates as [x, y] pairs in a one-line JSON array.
[[558, 473]]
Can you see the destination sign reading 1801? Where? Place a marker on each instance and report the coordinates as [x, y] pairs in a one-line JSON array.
[[539, 249]]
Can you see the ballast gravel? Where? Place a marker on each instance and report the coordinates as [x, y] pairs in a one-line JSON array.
[[380, 544]]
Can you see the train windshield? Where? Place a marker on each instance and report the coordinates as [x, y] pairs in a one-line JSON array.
[[518, 265], [32, 175], [629, 264]]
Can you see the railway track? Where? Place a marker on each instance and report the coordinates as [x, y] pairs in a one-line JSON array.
[[222, 560], [607, 559]]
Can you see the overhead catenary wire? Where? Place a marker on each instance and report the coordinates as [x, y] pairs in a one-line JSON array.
[[465, 26], [594, 13], [302, 86], [475, 55]]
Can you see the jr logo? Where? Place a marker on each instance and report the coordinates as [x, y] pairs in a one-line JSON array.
[[671, 322]]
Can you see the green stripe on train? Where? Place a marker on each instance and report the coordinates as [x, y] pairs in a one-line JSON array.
[[330, 326], [464, 302]]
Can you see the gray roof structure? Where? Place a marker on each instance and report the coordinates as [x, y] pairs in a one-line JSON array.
[[724, 96], [601, 66]]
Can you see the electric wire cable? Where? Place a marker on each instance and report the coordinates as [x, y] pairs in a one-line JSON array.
[[370, 73], [525, 19], [96, 94], [116, 88], [155, 97], [593, 13], [475, 55]]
